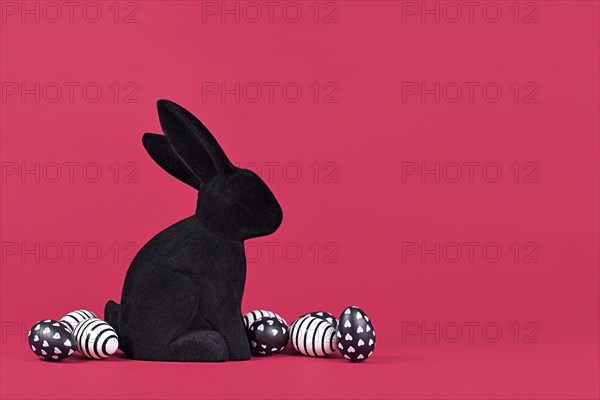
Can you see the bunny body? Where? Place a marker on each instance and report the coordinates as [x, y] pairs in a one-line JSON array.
[[182, 295]]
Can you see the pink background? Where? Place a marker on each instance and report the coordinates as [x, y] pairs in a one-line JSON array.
[[362, 212]]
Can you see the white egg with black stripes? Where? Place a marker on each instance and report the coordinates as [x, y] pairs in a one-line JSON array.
[[74, 318], [96, 339], [313, 336], [257, 315]]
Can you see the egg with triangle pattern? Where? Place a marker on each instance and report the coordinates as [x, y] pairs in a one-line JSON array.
[[355, 335]]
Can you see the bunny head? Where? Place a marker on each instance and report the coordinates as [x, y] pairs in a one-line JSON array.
[[232, 202]]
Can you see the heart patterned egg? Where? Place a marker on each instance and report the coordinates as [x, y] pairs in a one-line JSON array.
[[51, 340], [268, 336], [256, 315], [355, 335], [324, 315]]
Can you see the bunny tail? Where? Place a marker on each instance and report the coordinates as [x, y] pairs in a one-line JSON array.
[[112, 313]]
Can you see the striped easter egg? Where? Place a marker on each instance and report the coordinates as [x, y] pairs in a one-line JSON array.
[[324, 315], [313, 336], [74, 318], [96, 339], [255, 315]]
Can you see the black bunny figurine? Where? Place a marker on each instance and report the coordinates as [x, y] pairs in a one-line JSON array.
[[183, 291]]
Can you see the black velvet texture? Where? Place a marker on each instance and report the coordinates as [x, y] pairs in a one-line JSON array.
[[182, 295]]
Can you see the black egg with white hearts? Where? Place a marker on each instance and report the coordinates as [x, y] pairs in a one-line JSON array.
[[51, 340], [312, 336], [257, 315], [96, 339], [355, 335], [76, 317], [324, 315], [268, 336]]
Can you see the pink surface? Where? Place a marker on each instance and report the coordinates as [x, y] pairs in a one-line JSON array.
[[364, 162]]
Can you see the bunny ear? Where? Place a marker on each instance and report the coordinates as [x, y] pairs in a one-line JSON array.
[[192, 142], [161, 152]]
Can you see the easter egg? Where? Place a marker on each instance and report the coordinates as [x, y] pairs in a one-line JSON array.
[[324, 315], [50, 340], [355, 335], [312, 336], [268, 336], [96, 339], [256, 315], [74, 318]]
